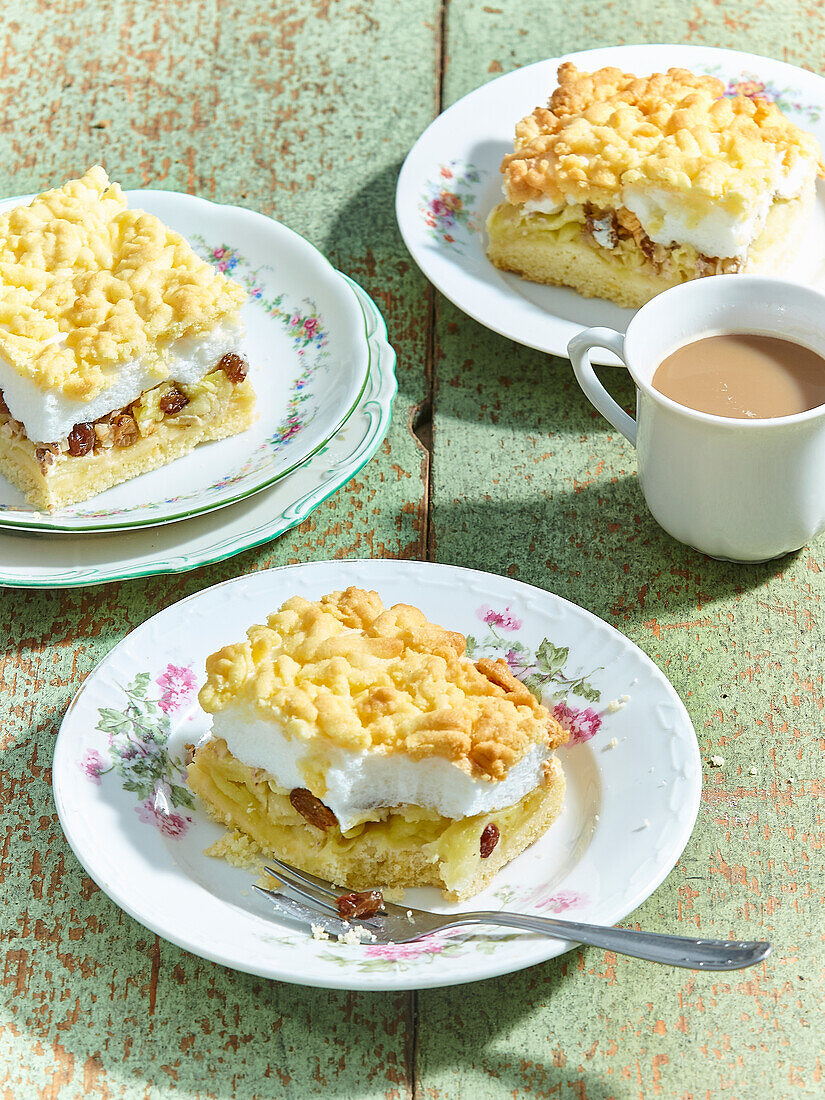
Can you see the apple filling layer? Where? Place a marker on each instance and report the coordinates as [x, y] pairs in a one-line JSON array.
[[395, 847], [165, 423], [605, 253]]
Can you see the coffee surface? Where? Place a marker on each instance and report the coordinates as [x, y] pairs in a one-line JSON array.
[[744, 376]]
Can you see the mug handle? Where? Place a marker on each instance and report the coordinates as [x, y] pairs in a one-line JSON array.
[[579, 351]]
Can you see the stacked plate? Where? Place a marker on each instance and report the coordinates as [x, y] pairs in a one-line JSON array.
[[324, 376]]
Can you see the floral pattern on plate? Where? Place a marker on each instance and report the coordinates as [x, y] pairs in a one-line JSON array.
[[138, 736], [543, 672], [453, 943], [448, 204], [304, 327]]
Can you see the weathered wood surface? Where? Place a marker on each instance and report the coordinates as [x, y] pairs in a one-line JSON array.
[[305, 110]]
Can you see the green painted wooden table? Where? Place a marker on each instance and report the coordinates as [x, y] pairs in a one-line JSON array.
[[305, 110]]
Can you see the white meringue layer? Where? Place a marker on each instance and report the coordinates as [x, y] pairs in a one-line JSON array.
[[360, 782], [669, 220], [49, 416]]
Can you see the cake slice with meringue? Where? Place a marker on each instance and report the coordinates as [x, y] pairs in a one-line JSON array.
[[359, 743], [120, 348], [623, 186]]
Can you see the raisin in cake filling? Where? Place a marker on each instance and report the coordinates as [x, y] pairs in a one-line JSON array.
[[123, 426], [49, 415]]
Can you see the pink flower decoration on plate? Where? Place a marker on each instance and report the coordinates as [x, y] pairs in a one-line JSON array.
[[397, 952], [93, 766], [581, 724], [504, 620], [516, 662], [177, 684], [172, 825], [558, 903]]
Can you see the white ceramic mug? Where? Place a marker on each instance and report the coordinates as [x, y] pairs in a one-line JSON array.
[[744, 490]]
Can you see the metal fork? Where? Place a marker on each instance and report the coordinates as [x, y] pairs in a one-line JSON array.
[[312, 901]]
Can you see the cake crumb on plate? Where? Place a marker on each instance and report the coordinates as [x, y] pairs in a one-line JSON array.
[[356, 934]]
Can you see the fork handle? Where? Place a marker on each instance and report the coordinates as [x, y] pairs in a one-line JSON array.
[[675, 950]]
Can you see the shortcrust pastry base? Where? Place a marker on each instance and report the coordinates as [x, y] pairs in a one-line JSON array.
[[535, 247], [72, 479], [413, 848]]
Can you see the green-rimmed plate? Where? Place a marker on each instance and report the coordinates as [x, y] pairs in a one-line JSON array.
[[309, 366], [30, 560]]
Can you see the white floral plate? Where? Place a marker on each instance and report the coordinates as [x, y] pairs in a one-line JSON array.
[[308, 363], [72, 561], [633, 778], [451, 180]]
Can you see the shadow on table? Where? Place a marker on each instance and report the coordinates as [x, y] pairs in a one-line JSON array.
[[366, 226], [365, 243], [596, 545], [499, 1038]]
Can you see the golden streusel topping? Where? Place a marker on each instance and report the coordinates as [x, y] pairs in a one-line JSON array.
[[87, 284], [606, 130], [346, 670]]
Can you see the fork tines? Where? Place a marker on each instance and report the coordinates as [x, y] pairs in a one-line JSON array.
[[316, 891]]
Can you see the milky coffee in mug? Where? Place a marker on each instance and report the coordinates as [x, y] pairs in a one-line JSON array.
[[743, 375]]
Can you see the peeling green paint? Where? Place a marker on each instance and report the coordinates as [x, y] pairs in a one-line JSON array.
[[305, 111]]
